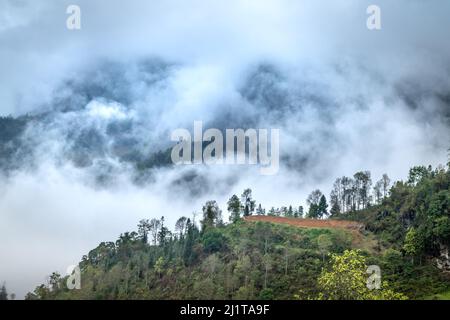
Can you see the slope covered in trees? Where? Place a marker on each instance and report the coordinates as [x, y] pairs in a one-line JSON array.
[[406, 235]]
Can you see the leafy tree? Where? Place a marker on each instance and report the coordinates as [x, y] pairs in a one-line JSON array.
[[180, 226], [441, 229], [417, 174], [144, 229], [337, 194], [362, 182], [41, 292], [313, 201], [347, 280], [160, 266], [213, 241], [154, 229], [314, 197], [247, 202], [212, 215], [377, 191], [54, 281], [413, 245], [266, 294], [234, 208]]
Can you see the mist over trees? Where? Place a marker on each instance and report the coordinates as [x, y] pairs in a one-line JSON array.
[[406, 231]]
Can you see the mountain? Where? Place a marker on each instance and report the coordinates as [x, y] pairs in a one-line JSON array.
[[406, 236]]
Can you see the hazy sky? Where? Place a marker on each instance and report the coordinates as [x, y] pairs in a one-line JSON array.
[[345, 98]]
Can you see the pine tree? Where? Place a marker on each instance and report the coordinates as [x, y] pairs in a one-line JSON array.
[[335, 210], [322, 208], [192, 233], [163, 234]]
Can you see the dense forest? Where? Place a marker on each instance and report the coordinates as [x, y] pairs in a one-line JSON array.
[[406, 233]]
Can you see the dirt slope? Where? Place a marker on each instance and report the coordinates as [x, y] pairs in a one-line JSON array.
[[359, 241], [310, 223]]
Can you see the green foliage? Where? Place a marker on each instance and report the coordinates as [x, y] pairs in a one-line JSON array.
[[314, 204], [439, 296], [159, 266], [234, 208], [213, 241], [247, 202], [266, 294], [418, 173], [322, 208], [324, 243], [335, 210], [423, 204], [347, 280], [244, 260], [212, 215], [413, 243], [406, 229], [318, 206]]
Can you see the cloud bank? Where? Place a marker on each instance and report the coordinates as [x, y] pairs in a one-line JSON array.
[[95, 109]]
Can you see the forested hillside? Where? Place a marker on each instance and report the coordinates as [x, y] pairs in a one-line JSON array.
[[406, 232]]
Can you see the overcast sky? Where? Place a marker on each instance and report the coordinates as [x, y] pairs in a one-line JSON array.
[[345, 99]]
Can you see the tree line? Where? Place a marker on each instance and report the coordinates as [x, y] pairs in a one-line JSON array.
[[348, 194]]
